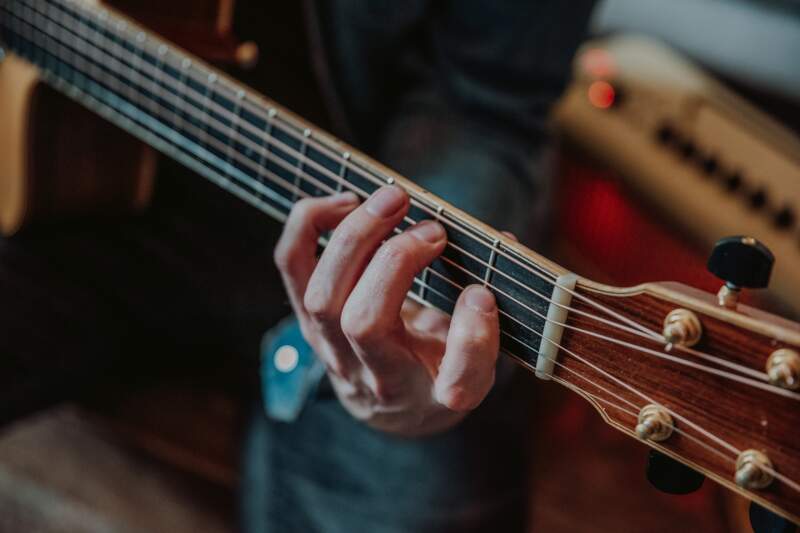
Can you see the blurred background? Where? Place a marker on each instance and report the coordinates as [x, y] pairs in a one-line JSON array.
[[680, 125]]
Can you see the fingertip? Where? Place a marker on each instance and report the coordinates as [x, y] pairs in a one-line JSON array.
[[429, 231], [343, 199], [457, 398], [387, 202], [510, 236], [480, 299]]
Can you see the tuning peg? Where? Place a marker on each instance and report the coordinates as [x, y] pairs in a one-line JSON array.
[[741, 262], [670, 476], [765, 521]]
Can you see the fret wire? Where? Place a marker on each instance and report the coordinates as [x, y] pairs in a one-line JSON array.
[[209, 89], [186, 64], [157, 83], [264, 144], [487, 279], [438, 210], [342, 172], [301, 157], [425, 275], [234, 126]]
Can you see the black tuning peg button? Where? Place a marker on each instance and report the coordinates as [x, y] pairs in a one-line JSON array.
[[741, 262], [670, 476], [765, 521]]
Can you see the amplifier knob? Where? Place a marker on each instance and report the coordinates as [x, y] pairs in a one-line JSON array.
[[784, 218], [733, 181], [758, 198]]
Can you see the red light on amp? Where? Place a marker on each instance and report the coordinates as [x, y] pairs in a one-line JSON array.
[[601, 94]]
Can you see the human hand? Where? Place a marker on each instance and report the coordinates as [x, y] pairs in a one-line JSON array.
[[398, 366]]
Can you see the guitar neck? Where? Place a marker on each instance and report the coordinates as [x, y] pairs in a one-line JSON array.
[[718, 398], [261, 152]]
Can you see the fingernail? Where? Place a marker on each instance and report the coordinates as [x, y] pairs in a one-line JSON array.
[[387, 201], [428, 231], [510, 236], [479, 299], [344, 198]]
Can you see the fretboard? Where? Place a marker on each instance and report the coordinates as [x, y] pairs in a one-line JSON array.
[[256, 149]]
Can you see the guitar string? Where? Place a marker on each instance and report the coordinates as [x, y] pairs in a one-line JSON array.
[[627, 386], [102, 15], [579, 389], [777, 475], [291, 151], [274, 158], [652, 352]]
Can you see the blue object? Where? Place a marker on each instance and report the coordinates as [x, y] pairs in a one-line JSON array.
[[290, 372]]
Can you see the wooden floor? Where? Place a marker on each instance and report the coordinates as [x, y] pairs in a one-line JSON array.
[[68, 470], [61, 472]]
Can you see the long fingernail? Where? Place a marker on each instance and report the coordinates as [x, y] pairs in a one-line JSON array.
[[344, 198], [479, 299], [428, 231], [386, 202]]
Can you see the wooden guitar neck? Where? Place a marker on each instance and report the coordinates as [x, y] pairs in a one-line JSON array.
[[713, 387]]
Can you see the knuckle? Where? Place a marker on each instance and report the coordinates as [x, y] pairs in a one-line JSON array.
[[303, 209], [357, 325], [288, 245], [318, 305], [458, 398], [347, 236], [283, 255], [474, 341], [395, 252], [387, 393]]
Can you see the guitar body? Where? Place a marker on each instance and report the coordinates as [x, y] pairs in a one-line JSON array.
[[61, 160], [84, 165], [707, 381]]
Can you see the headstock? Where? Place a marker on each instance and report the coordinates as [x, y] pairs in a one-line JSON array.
[[704, 380]]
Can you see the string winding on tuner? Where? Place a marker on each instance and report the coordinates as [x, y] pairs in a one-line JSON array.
[[753, 470], [783, 368], [682, 328], [655, 423]]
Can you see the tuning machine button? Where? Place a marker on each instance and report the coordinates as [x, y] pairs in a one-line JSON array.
[[666, 134], [785, 218], [765, 521], [757, 198], [709, 164], [742, 262], [670, 476], [733, 181]]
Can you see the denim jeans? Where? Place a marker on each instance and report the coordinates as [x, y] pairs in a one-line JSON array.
[[452, 94], [327, 472]]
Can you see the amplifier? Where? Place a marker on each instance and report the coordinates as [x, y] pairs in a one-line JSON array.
[[704, 157]]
